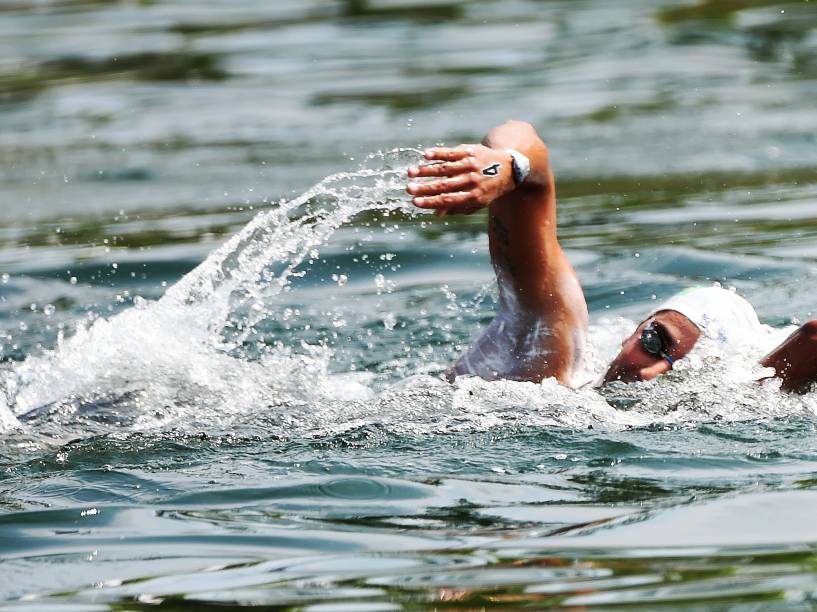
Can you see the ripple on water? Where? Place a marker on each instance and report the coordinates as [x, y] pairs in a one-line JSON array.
[[227, 447]]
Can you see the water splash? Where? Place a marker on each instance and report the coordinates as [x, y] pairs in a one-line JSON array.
[[178, 362], [257, 263], [168, 361]]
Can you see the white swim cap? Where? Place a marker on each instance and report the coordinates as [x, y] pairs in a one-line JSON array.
[[721, 315]]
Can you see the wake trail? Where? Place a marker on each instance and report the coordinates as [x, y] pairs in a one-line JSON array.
[[178, 362]]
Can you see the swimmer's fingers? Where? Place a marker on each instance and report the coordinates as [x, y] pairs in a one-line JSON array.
[[443, 169], [449, 154], [448, 202], [477, 176], [449, 185]]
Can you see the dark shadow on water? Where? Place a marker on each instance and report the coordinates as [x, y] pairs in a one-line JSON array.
[[177, 65], [419, 12], [395, 100], [717, 9]]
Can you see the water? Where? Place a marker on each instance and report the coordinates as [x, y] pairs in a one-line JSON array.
[[222, 326]]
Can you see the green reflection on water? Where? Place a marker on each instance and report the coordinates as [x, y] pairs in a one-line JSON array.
[[718, 9], [148, 66]]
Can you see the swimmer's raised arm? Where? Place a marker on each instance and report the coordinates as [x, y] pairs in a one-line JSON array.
[[542, 318]]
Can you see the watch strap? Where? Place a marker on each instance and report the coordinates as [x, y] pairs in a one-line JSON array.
[[520, 166]]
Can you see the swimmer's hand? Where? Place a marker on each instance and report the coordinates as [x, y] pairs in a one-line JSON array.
[[470, 177]]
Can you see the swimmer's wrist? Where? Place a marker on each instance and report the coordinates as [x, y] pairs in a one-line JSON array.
[[520, 166]]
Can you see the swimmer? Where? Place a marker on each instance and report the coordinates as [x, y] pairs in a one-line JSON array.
[[541, 323], [540, 326]]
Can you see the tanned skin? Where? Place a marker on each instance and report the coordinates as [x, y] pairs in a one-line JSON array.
[[539, 328], [795, 360], [633, 363]]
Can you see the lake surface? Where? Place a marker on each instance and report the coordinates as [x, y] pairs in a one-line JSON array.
[[222, 327]]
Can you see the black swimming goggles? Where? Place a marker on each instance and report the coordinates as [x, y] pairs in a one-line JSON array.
[[653, 341]]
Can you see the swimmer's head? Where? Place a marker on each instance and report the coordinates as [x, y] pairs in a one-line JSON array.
[[634, 362]]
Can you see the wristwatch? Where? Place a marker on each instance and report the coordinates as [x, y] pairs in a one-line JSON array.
[[520, 166]]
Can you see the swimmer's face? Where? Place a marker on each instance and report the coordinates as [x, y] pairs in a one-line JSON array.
[[633, 363]]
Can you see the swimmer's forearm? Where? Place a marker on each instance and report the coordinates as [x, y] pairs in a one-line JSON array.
[[794, 360], [525, 251]]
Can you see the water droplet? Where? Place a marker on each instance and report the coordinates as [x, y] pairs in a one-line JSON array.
[[4, 278], [49, 310], [73, 280]]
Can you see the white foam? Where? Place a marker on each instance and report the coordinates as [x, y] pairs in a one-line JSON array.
[[8, 421], [174, 363], [171, 358]]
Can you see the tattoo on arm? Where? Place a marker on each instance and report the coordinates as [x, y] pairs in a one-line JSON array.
[[503, 243]]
